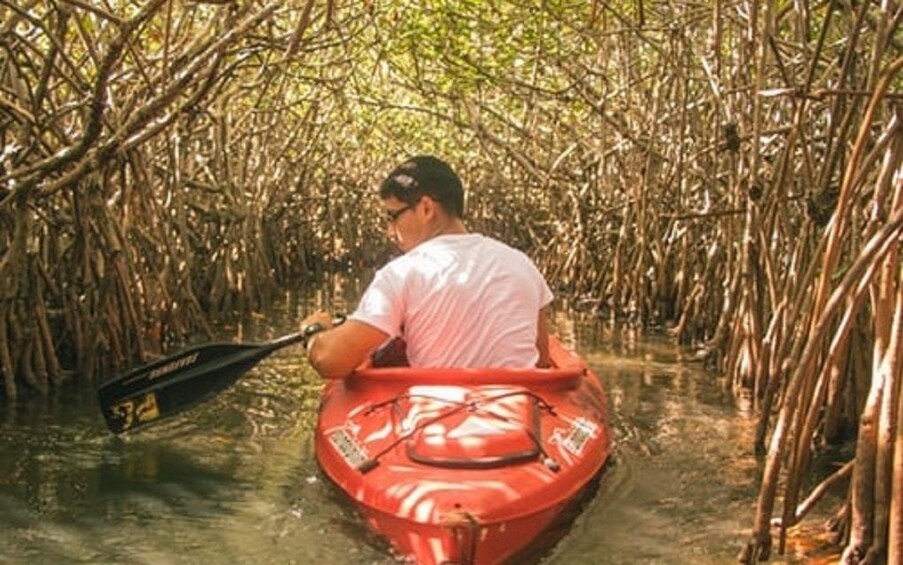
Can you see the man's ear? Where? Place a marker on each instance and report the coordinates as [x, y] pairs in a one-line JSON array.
[[430, 207]]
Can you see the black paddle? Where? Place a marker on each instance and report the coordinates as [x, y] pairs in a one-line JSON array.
[[168, 386]]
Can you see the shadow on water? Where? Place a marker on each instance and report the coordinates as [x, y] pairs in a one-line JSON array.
[[235, 480], [231, 481]]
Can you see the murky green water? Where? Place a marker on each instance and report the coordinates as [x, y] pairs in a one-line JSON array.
[[235, 480]]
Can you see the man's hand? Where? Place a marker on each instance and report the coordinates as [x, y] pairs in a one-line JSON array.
[[318, 317]]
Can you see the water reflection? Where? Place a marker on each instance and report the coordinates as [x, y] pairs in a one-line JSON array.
[[683, 483], [234, 480]]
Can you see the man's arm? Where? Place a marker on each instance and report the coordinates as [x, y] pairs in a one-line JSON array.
[[339, 350], [542, 338]]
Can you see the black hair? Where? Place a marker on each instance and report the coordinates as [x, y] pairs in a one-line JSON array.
[[425, 175]]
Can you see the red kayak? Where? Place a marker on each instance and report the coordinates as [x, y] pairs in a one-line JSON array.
[[464, 465]]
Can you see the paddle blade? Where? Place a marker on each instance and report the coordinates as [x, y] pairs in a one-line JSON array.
[[166, 387]]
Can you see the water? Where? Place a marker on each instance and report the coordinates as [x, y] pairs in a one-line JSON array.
[[235, 481]]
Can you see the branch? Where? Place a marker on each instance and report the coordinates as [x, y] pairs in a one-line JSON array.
[[29, 177]]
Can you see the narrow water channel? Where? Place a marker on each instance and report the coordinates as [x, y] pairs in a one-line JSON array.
[[235, 480]]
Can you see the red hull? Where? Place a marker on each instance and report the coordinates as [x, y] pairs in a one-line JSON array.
[[471, 466]]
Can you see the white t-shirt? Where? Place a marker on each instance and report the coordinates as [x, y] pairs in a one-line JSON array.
[[459, 301]]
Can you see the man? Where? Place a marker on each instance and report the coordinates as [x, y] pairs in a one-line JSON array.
[[458, 299]]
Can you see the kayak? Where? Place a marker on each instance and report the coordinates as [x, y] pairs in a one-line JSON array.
[[464, 465]]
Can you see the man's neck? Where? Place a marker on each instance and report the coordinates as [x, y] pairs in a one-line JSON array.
[[449, 225]]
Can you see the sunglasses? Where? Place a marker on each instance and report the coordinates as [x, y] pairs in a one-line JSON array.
[[393, 215]]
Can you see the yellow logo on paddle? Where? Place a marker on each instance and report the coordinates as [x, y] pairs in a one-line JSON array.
[[136, 410]]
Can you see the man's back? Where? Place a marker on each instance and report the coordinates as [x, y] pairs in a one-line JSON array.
[[459, 301]]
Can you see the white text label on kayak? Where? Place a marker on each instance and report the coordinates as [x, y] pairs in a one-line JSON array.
[[582, 431], [351, 451]]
